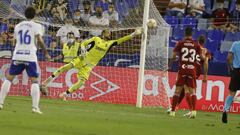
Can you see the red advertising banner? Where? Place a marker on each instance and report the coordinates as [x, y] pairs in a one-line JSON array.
[[119, 86], [210, 95]]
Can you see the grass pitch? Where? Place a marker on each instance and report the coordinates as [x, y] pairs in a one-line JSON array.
[[87, 118]]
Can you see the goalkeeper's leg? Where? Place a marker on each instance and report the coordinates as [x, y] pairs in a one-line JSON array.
[[58, 72], [81, 81]]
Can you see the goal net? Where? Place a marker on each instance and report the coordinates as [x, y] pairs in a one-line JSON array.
[[116, 78]]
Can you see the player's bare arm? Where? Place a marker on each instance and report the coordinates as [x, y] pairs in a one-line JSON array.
[[42, 45], [205, 69], [230, 62]]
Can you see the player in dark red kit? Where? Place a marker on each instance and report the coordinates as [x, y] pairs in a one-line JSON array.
[[203, 62], [189, 53], [199, 64]]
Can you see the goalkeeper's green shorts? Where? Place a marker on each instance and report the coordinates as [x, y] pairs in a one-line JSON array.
[[84, 69]]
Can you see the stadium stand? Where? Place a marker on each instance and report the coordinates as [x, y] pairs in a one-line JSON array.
[[218, 42]]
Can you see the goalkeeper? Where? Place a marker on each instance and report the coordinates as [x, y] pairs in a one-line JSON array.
[[92, 51]]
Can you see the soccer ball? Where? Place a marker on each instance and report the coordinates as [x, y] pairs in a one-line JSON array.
[[152, 23]]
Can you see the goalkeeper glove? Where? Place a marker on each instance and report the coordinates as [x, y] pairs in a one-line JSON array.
[[83, 51], [138, 31]]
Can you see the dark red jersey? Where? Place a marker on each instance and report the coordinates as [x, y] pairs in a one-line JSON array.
[[199, 63], [189, 52]]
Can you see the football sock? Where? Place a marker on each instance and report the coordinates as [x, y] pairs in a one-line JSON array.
[[175, 101], [182, 94], [4, 90], [194, 102], [228, 103], [189, 101], [76, 86], [35, 93]]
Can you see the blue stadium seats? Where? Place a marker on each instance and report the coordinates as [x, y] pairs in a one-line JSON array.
[[172, 20], [73, 5], [102, 4], [220, 56], [48, 40], [232, 36], [229, 36], [225, 46], [215, 35], [208, 6], [7, 46], [132, 3], [198, 32], [122, 9], [40, 55], [178, 33], [237, 36], [232, 6], [3, 28], [212, 45], [189, 22], [202, 24], [55, 53], [172, 42]]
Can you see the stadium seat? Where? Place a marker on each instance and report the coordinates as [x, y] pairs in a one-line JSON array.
[[172, 42], [208, 6], [225, 46], [215, 35], [132, 3], [9, 46], [3, 28], [237, 36], [122, 9], [178, 33], [230, 36], [198, 32], [47, 40], [220, 56], [172, 20], [189, 22], [104, 5], [232, 5], [211, 45], [40, 55], [73, 5], [202, 24]]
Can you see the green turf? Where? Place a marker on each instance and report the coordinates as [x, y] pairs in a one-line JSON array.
[[86, 118]]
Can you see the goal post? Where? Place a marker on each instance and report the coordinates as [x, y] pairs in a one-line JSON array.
[[133, 73], [143, 54]]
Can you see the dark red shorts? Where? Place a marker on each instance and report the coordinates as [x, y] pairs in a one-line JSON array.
[[186, 78]]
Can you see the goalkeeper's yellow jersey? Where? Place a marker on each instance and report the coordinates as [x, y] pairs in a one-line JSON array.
[[97, 48]]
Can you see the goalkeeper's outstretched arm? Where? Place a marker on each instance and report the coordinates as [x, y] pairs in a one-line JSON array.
[[137, 32]]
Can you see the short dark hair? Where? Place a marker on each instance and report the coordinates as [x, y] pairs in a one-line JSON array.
[[220, 1], [188, 31], [86, 2], [77, 10], [201, 39], [110, 3], [238, 2], [105, 30], [70, 33], [30, 12]]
